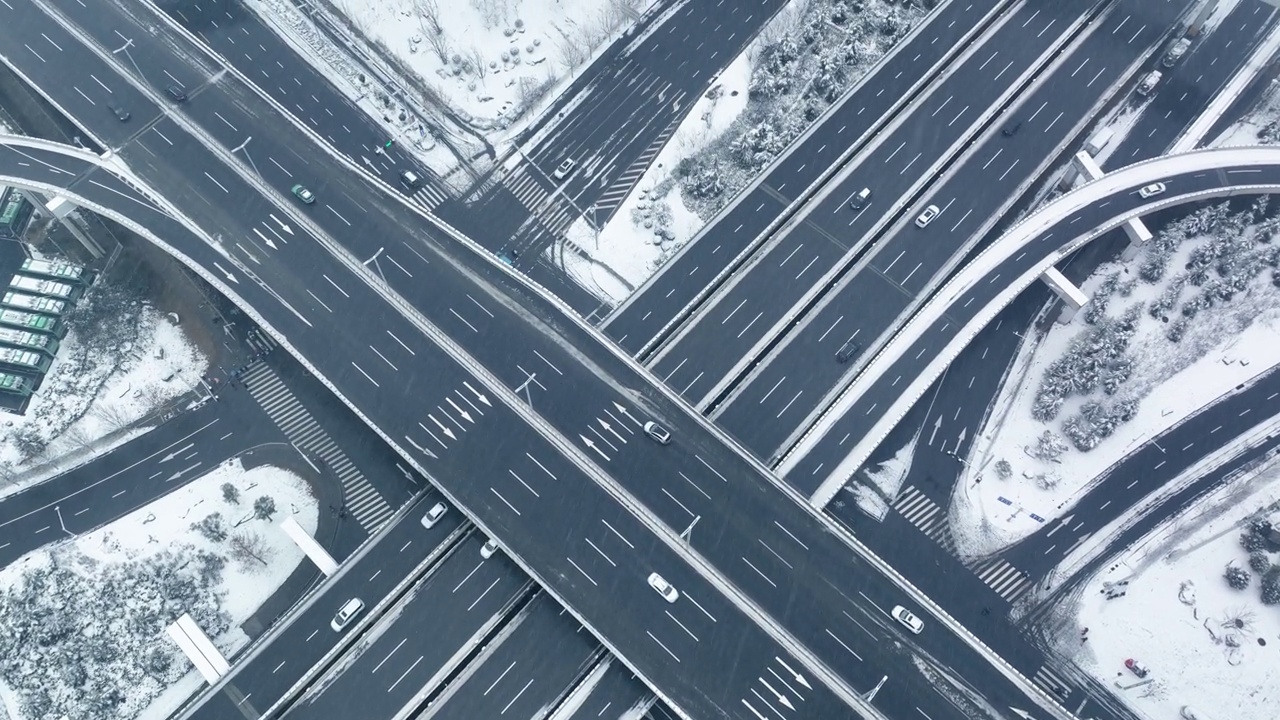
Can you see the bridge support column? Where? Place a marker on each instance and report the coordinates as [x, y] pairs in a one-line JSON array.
[[1073, 298], [323, 560], [1137, 230], [61, 209]]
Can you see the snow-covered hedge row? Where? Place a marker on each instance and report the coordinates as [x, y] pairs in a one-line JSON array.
[[807, 59], [1114, 363], [82, 639]]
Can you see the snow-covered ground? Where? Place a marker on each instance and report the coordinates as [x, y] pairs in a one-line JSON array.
[[649, 226], [766, 98], [1206, 644], [489, 63], [82, 623], [1259, 126], [1060, 381], [119, 362]]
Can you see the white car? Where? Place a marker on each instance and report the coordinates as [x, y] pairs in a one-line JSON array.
[[346, 614], [904, 616], [658, 433], [565, 168], [433, 515], [1151, 190], [490, 547], [664, 588], [927, 216]]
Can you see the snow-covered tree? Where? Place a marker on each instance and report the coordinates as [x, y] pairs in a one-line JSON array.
[[211, 526], [1237, 577], [264, 507], [230, 493], [1259, 562]]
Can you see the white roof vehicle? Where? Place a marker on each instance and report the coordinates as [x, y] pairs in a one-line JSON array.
[[346, 614], [927, 216], [433, 515], [664, 588], [904, 616], [1151, 190]]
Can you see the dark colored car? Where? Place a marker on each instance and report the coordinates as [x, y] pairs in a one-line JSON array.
[[121, 114], [1011, 130], [177, 93], [848, 350]]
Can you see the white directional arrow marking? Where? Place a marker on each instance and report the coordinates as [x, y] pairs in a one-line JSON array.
[[477, 393], [443, 428], [420, 449], [781, 698], [934, 434], [176, 453], [589, 443], [1022, 713], [623, 410], [963, 433], [223, 270], [609, 427], [465, 415], [182, 472], [799, 678], [283, 227], [1061, 524], [265, 239]]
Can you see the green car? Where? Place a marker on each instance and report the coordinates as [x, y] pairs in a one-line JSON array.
[[304, 194]]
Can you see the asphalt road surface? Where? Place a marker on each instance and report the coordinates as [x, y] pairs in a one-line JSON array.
[[406, 656], [797, 379], [531, 665], [643, 317], [828, 452], [734, 530], [619, 119], [130, 476]]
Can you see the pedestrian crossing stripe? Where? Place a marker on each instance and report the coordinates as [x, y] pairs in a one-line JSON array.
[[359, 496], [915, 507]]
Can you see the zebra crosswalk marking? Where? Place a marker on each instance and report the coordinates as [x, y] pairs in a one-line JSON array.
[[359, 496], [1005, 579], [1008, 581], [925, 514]]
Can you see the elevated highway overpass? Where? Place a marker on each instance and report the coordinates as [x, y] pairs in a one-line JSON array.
[[522, 414], [920, 351]]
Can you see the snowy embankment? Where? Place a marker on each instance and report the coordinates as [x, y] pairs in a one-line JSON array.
[[1192, 316], [488, 63], [120, 361], [1195, 603], [82, 624], [802, 62]]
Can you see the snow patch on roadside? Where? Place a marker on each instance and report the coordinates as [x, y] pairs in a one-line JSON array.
[[1028, 465], [1205, 644], [71, 641]]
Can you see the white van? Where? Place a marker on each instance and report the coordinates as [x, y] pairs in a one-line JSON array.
[[1191, 713]]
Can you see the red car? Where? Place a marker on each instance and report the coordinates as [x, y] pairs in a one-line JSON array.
[[1136, 667]]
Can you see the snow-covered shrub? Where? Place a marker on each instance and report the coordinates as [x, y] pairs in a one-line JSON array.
[[1237, 577], [1080, 369], [230, 493], [1004, 470], [1096, 422], [1168, 300], [82, 639], [1049, 447], [1259, 562], [1253, 542], [1097, 307]]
